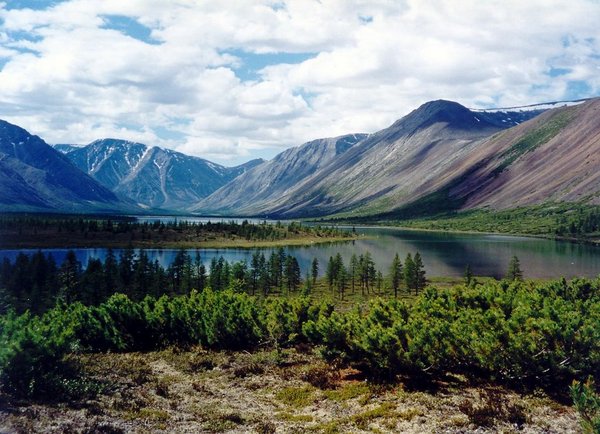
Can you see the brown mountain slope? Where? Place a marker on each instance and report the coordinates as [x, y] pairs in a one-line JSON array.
[[554, 157], [392, 167]]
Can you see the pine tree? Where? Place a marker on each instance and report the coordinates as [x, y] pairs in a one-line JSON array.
[[69, 275], [314, 270], [396, 274], [410, 273], [419, 273], [514, 269], [292, 273], [353, 271], [330, 272], [468, 275]]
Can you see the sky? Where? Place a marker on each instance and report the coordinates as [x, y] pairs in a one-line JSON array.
[[232, 80]]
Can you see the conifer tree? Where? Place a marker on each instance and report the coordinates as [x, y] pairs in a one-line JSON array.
[[468, 275], [419, 273], [396, 274], [410, 273], [514, 269], [353, 271], [314, 270]]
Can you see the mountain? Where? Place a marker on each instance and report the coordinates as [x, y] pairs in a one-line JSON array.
[[151, 176], [440, 157], [36, 177], [65, 148], [266, 183], [553, 157], [380, 171]]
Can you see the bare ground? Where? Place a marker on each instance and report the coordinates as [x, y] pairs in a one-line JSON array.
[[291, 391]]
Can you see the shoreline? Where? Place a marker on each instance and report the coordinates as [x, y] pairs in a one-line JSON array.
[[141, 244], [593, 242]]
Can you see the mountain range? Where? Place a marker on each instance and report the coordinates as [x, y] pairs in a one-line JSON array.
[[35, 177], [431, 160], [440, 157], [152, 177]]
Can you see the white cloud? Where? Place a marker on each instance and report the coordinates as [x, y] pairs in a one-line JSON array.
[[68, 77]]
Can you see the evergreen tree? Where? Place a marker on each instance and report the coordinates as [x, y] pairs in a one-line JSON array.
[[353, 271], [396, 274], [292, 273], [468, 275], [330, 272], [514, 269], [340, 275], [93, 291], [111, 273], [255, 270], [199, 272], [69, 275], [410, 273], [419, 273], [314, 270], [126, 269]]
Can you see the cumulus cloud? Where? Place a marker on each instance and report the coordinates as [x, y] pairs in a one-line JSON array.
[[70, 75]]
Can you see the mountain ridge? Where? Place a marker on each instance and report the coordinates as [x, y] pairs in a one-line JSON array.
[[152, 176], [37, 177]]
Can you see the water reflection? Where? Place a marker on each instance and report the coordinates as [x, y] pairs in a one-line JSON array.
[[444, 254]]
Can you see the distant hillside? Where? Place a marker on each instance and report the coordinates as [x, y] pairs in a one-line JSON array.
[[440, 157], [252, 192], [151, 176], [35, 177]]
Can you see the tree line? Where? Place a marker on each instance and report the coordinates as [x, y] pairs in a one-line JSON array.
[[36, 282], [91, 226]]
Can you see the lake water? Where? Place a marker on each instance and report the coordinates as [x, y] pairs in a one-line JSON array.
[[444, 254]]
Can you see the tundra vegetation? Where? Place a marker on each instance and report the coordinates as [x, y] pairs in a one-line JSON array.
[[522, 336]]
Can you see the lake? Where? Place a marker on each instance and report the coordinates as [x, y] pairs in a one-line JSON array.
[[444, 254]]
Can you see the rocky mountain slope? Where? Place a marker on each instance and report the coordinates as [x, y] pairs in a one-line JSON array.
[[554, 157], [35, 177], [271, 180], [151, 176], [441, 156]]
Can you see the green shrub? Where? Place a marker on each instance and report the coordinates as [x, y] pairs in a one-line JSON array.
[[587, 403]]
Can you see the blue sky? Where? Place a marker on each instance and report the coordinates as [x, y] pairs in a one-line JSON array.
[[235, 80]]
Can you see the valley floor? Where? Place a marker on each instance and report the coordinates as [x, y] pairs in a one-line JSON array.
[[291, 391]]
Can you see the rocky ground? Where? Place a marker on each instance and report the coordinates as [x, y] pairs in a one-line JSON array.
[[291, 391]]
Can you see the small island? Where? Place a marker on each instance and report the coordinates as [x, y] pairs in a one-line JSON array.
[[55, 231]]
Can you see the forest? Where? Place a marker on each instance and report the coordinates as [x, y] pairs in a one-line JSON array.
[[522, 334], [33, 231]]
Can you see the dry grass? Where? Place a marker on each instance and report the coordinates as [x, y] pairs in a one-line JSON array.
[[273, 392]]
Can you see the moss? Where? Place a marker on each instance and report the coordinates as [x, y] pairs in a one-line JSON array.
[[289, 417], [347, 392], [296, 396], [385, 410]]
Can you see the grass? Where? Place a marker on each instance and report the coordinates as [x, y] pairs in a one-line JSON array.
[[547, 220]]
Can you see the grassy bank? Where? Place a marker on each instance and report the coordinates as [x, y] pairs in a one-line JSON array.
[[566, 221]]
